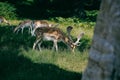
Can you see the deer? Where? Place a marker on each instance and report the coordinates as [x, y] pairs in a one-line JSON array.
[[3, 20], [41, 23], [24, 24], [56, 35]]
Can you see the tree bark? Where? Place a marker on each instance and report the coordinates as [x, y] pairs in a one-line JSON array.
[[104, 55]]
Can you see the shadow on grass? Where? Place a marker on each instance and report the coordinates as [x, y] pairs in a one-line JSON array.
[[9, 39], [14, 67]]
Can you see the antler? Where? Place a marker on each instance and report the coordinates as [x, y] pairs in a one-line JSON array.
[[69, 28], [78, 38]]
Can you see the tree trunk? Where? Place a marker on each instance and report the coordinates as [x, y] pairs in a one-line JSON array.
[[104, 55]]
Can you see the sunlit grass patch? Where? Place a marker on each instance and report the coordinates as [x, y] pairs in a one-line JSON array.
[[64, 59]]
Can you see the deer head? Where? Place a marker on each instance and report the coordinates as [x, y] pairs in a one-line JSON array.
[[71, 43]]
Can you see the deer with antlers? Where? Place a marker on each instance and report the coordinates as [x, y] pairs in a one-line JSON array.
[[3, 20], [41, 23], [55, 34]]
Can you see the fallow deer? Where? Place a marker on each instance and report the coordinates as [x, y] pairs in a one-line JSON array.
[[24, 24], [55, 34], [41, 23], [3, 20]]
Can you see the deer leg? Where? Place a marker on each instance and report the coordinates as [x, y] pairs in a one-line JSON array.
[[39, 45], [33, 32], [17, 31], [30, 28], [55, 45], [22, 30], [35, 43]]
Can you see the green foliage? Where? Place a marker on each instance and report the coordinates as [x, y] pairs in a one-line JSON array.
[[91, 15], [69, 20], [7, 10], [51, 8]]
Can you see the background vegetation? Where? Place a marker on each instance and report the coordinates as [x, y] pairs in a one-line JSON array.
[[38, 9], [17, 59]]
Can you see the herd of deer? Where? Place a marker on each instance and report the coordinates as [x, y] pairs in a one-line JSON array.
[[46, 32]]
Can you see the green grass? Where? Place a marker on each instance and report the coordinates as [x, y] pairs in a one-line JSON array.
[[63, 59], [19, 62]]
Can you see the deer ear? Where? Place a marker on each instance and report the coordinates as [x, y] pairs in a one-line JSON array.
[[69, 28]]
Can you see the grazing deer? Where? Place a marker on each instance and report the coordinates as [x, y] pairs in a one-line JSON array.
[[55, 34], [3, 20], [41, 23], [24, 24]]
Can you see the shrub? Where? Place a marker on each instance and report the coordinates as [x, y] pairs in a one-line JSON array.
[[92, 15], [7, 10]]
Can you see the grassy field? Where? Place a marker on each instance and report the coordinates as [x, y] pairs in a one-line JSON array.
[[19, 62]]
